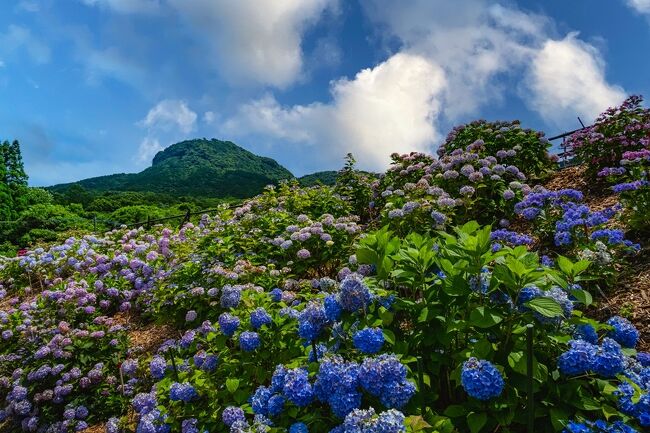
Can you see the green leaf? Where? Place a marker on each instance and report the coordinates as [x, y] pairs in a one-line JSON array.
[[484, 317], [232, 384], [416, 422], [389, 336], [558, 418], [609, 411], [545, 306], [580, 266], [582, 296], [565, 265], [476, 421], [455, 411]]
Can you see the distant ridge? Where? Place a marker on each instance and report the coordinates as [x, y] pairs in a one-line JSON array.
[[199, 168]]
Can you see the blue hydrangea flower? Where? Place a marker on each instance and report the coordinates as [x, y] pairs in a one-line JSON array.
[[578, 359], [275, 405], [298, 427], [260, 400], [587, 333], [354, 294], [228, 324], [277, 380], [142, 403], [369, 340], [624, 331], [260, 317], [321, 350], [157, 367], [231, 414], [643, 358], [297, 388], [189, 426], [249, 341], [385, 377], [230, 297], [526, 294], [182, 392], [481, 379], [311, 321], [332, 308], [609, 360], [276, 294]]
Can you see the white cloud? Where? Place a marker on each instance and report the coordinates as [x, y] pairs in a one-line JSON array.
[[567, 79], [126, 6], [641, 6], [209, 117], [170, 118], [252, 41], [474, 43], [148, 149], [170, 114], [485, 48], [18, 37], [389, 108]]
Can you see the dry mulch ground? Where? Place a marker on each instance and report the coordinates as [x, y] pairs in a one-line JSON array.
[[630, 296], [98, 428]]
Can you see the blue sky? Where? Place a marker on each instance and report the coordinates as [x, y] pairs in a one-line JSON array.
[[93, 87]]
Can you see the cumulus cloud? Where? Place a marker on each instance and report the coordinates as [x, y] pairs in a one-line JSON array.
[[567, 78], [253, 41], [169, 114], [171, 118], [389, 108], [149, 146], [485, 48], [125, 6], [641, 6]]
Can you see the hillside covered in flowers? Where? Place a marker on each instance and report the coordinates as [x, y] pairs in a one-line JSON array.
[[470, 291]]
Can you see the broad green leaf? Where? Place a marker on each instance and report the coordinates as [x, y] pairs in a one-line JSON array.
[[476, 421], [232, 384], [455, 411], [484, 317], [545, 306], [389, 336], [565, 265]]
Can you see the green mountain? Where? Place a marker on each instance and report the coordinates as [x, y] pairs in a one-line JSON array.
[[198, 168], [324, 177]]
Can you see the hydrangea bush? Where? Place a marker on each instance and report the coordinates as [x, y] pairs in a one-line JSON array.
[[617, 130], [521, 147]]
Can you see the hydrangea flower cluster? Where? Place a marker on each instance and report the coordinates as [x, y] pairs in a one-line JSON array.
[[623, 331], [369, 340], [481, 379], [606, 359], [338, 383]]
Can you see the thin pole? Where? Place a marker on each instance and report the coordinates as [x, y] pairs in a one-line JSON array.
[[529, 384], [421, 386]]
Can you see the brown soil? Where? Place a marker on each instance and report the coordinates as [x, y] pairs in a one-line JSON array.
[[630, 296], [98, 428], [150, 337]]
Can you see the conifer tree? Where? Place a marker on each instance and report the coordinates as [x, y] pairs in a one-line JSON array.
[[6, 202], [15, 169]]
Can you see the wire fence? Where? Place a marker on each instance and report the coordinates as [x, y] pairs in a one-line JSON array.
[[566, 157]]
